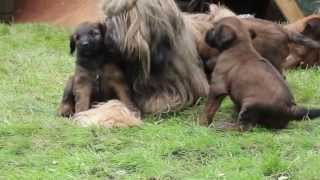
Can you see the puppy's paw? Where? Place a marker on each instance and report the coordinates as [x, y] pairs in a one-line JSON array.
[[66, 110], [203, 120]]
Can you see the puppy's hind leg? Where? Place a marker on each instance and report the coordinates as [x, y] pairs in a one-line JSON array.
[[247, 118], [214, 100]]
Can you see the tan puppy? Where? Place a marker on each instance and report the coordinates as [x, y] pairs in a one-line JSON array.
[[254, 85]]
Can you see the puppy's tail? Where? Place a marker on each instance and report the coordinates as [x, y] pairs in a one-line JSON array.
[[300, 113], [116, 7], [299, 38]]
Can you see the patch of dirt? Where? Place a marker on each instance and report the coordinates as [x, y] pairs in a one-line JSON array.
[[61, 12]]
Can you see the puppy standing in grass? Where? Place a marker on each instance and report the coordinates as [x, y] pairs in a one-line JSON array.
[[97, 77], [254, 85]]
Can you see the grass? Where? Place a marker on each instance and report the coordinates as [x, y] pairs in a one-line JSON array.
[[36, 144]]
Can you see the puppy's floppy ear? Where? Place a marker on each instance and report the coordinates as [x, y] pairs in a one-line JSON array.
[[102, 28], [225, 36], [210, 38], [72, 44], [252, 33], [312, 28], [221, 37]]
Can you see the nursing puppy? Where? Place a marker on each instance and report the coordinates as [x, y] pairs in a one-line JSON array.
[[254, 85], [270, 39], [302, 56], [97, 76]]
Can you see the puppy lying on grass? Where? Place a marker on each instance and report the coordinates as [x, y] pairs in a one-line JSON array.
[[254, 85], [97, 78], [302, 56]]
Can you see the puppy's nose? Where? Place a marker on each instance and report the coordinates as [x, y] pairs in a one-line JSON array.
[[84, 44]]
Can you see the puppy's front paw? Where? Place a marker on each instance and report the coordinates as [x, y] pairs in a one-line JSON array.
[[66, 110], [203, 120]]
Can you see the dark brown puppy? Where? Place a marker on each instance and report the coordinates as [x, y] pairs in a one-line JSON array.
[[254, 85], [97, 76], [302, 56], [271, 40]]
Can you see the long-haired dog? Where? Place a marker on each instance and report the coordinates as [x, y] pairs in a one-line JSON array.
[[254, 85], [194, 6], [159, 53]]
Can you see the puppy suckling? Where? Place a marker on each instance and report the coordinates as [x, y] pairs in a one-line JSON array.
[[302, 56], [97, 76], [271, 40], [254, 85]]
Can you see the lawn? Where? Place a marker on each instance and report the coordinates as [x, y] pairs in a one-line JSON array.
[[36, 144]]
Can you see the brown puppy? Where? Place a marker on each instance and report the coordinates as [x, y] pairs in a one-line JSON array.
[[271, 40], [302, 56], [254, 85], [97, 76]]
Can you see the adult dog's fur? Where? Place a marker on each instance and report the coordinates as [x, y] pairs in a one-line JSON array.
[[194, 6], [97, 76], [254, 85], [302, 56], [159, 53], [271, 40], [200, 24]]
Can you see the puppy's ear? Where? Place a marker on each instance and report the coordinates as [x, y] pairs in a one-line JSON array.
[[72, 44], [210, 38], [102, 28], [252, 33], [225, 36], [221, 37], [312, 28]]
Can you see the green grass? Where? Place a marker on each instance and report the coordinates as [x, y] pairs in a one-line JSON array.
[[36, 144]]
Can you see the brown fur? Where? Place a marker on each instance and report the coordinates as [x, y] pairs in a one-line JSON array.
[[194, 6], [97, 77], [200, 24], [254, 85], [302, 56], [271, 40], [160, 55]]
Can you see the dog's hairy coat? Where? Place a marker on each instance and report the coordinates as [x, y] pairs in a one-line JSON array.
[[194, 6], [97, 76], [254, 85], [159, 53]]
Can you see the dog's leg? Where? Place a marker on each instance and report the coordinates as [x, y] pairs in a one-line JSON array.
[[292, 61], [123, 94], [214, 100], [114, 77], [248, 116], [67, 105], [82, 91]]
